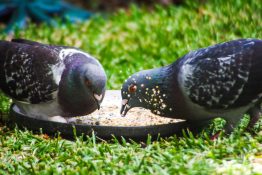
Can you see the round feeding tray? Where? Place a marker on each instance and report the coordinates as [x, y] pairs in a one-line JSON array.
[[106, 122]]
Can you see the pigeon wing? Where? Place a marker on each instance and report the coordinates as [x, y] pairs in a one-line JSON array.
[[27, 71], [224, 75]]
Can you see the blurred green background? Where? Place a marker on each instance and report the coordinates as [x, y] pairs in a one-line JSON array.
[[127, 38]]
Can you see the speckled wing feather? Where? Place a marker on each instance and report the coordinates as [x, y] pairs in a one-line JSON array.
[[223, 76], [26, 71]]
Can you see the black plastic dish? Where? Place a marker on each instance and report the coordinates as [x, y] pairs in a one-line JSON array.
[[105, 132]]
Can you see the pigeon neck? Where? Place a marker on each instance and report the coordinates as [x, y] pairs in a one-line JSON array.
[[173, 96], [159, 90]]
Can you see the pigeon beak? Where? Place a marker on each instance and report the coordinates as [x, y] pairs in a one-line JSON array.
[[98, 99], [125, 107]]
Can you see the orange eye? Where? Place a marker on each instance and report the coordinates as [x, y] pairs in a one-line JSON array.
[[132, 88]]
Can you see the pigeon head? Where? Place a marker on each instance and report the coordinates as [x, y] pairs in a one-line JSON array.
[[145, 89], [82, 86], [94, 82]]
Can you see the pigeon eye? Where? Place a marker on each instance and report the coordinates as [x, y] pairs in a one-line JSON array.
[[88, 82], [132, 88]]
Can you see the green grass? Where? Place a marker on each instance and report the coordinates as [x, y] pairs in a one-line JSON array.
[[126, 42]]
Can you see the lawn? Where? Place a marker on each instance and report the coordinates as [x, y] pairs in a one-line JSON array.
[[125, 42]]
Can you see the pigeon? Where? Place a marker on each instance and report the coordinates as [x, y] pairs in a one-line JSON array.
[[223, 80], [50, 82]]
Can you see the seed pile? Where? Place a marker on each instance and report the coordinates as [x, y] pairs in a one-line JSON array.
[[110, 116]]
